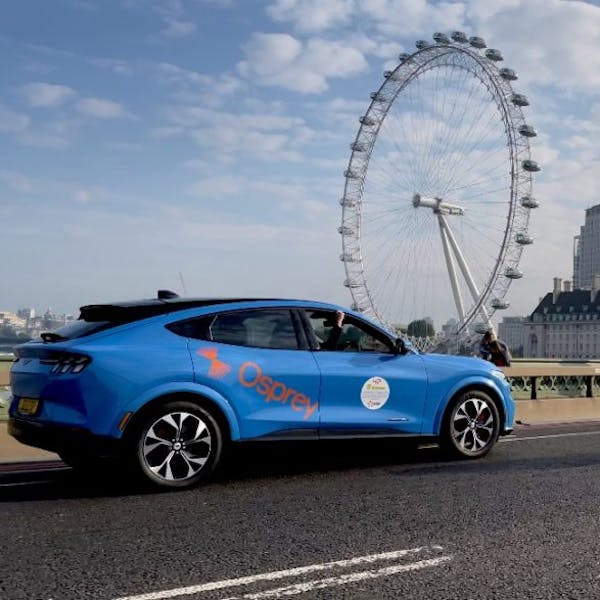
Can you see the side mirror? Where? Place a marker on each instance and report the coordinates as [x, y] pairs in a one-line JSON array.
[[400, 346]]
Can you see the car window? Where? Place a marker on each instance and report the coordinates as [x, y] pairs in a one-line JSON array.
[[356, 336], [261, 328]]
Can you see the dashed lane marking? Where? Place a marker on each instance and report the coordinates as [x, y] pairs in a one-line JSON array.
[[314, 584]]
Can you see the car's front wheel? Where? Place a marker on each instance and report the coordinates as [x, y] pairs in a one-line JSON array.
[[177, 445], [471, 426]]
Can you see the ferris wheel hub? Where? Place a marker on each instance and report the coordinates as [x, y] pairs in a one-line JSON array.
[[437, 205]]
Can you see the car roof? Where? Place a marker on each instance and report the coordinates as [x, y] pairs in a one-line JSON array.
[[134, 310]]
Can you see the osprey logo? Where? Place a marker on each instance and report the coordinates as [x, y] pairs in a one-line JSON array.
[[218, 368]]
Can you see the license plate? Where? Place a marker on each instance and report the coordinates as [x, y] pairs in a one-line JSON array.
[[28, 406]]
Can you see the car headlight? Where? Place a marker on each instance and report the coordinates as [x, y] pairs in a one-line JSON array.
[[499, 374]]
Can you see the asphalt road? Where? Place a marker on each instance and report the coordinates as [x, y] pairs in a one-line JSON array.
[[363, 520]]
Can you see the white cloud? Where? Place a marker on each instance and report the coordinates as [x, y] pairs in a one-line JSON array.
[[11, 121], [54, 134], [312, 15], [121, 67], [101, 109], [178, 29], [46, 94], [281, 60], [17, 181], [82, 196], [230, 140], [549, 42], [193, 115]]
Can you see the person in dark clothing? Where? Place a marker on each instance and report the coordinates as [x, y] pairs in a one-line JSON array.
[[336, 331], [495, 350]]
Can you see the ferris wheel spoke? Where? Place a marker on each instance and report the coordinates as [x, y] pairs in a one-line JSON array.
[[445, 128]]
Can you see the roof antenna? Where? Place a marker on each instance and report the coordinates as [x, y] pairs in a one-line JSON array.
[[166, 294], [183, 284]]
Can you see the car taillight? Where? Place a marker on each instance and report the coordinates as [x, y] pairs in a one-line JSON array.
[[70, 363]]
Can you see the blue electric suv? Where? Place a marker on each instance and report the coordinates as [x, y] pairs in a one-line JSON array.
[[164, 384]]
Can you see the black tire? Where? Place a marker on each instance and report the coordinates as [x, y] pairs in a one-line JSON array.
[[471, 426], [176, 445]]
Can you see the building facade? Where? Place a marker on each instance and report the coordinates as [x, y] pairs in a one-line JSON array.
[[586, 250], [512, 332], [565, 324]]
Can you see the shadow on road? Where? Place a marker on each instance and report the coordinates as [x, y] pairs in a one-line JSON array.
[[254, 461]]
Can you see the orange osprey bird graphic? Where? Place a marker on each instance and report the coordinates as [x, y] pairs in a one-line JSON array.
[[217, 367]]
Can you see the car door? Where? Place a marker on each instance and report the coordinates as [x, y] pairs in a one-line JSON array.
[[366, 385], [258, 359]]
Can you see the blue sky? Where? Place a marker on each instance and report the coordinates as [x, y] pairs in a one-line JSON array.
[[144, 139]]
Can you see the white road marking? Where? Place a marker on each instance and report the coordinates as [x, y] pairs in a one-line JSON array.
[[319, 584], [547, 436], [296, 571]]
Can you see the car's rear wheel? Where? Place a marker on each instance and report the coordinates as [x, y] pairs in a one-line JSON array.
[[471, 427], [177, 445]]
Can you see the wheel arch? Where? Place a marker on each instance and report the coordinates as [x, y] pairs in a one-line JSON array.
[[219, 408], [479, 386]]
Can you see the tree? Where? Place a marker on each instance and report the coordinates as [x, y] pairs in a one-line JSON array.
[[420, 328]]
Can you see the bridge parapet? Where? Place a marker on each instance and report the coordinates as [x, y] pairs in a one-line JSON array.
[[529, 380]]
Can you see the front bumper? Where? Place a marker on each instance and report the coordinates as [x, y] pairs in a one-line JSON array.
[[62, 439]]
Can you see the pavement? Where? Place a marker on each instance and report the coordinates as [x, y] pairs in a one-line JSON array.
[[13, 451]]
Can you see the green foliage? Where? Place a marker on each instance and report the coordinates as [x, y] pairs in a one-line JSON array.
[[420, 328]]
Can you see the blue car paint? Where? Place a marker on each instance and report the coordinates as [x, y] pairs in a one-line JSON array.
[[267, 385], [343, 375], [448, 375], [136, 363]]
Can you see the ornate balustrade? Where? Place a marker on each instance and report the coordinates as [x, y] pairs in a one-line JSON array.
[[529, 380]]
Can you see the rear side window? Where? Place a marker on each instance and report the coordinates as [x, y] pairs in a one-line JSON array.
[[262, 328], [79, 328]]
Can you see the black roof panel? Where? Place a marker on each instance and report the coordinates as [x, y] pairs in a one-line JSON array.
[[134, 310]]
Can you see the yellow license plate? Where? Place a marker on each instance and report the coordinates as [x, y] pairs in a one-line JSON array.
[[28, 406]]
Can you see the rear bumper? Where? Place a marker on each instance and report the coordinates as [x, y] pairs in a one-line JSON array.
[[62, 439]]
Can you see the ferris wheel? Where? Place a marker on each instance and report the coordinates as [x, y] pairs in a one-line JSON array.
[[438, 189]]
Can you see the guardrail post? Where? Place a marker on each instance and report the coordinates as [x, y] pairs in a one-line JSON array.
[[588, 386], [534, 388]]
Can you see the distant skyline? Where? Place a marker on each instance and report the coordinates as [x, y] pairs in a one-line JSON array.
[[151, 144]]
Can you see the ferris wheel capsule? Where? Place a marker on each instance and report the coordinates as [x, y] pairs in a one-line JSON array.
[[513, 273], [377, 97], [531, 166], [529, 202], [527, 131], [460, 37], [477, 42], [519, 100], [345, 230], [350, 283], [523, 238], [499, 304], [441, 38], [481, 327], [508, 74], [493, 54], [368, 121], [403, 56]]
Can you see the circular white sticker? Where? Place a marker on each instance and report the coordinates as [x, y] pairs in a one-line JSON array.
[[375, 393]]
